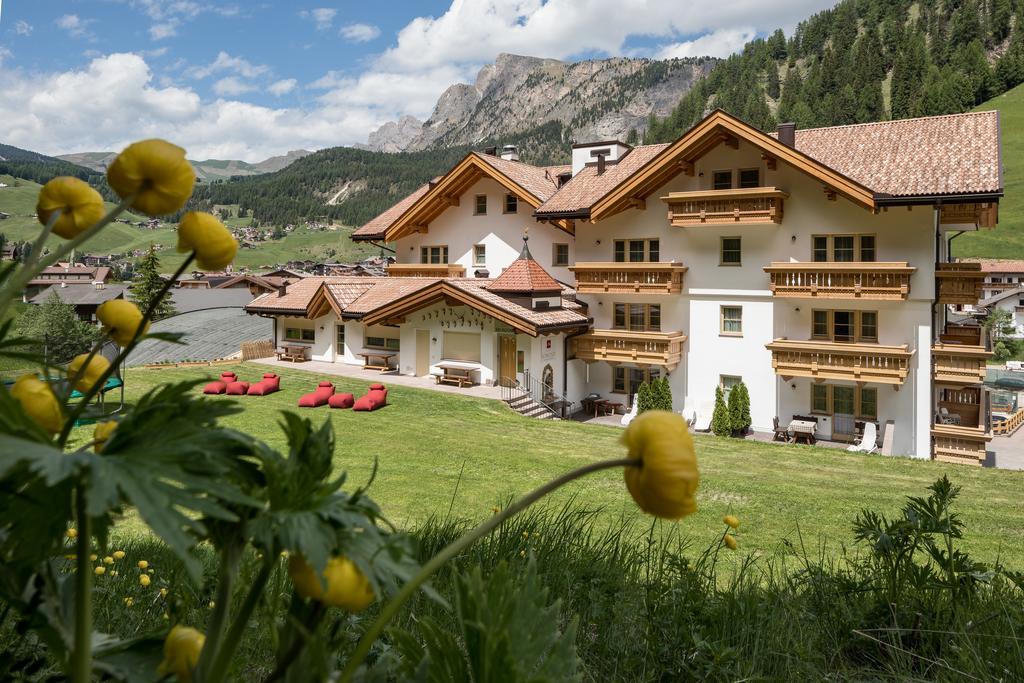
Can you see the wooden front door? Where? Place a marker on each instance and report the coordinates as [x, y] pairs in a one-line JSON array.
[[506, 358], [422, 352]]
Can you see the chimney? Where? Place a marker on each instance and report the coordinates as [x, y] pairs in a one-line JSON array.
[[98, 284], [510, 153], [787, 134], [600, 164], [491, 151], [283, 289]]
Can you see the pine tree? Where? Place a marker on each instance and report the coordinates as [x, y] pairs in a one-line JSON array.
[[735, 411], [662, 394], [721, 425], [149, 285], [643, 398], [773, 87], [908, 76], [58, 332], [744, 403], [999, 20]]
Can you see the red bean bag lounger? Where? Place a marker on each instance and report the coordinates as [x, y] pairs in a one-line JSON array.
[[319, 397], [218, 386], [237, 388], [375, 398], [268, 385], [341, 401]]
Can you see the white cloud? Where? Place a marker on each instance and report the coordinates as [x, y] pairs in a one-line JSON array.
[[282, 87], [359, 33], [720, 43], [225, 62], [23, 28], [5, 54], [163, 29], [75, 26], [323, 17], [168, 15], [232, 86]]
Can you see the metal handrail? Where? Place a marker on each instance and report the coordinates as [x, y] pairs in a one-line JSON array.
[[512, 388]]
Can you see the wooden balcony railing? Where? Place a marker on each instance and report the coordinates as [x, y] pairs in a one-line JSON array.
[[983, 215], [426, 270], [629, 278], [723, 207], [664, 349], [959, 444], [832, 360], [869, 280], [961, 356], [959, 283], [1010, 424]]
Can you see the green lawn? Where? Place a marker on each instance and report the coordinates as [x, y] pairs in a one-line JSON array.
[[439, 452]]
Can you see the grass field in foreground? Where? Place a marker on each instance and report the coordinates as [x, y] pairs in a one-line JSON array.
[[440, 452]]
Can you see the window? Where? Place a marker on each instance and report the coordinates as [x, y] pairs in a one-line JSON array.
[[388, 343], [561, 255], [511, 204], [637, 317], [727, 382], [637, 251], [437, 254], [628, 380], [721, 180], [750, 177], [299, 334], [520, 361], [731, 255], [830, 399], [845, 326], [842, 248], [731, 323], [480, 207], [479, 254]]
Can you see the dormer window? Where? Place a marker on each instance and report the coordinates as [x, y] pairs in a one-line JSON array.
[[480, 207], [511, 203]]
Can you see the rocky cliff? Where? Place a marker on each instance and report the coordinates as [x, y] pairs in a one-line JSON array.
[[592, 99]]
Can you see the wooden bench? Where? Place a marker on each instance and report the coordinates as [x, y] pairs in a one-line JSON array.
[[457, 373], [295, 354], [378, 360]]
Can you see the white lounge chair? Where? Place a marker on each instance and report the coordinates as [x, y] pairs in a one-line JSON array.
[[867, 441], [628, 417]]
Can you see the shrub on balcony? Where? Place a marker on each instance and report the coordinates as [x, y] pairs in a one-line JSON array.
[[721, 424]]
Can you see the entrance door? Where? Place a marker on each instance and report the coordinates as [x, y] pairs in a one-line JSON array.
[[506, 358], [422, 352], [843, 409]]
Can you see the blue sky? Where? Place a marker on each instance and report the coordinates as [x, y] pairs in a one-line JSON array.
[[230, 79]]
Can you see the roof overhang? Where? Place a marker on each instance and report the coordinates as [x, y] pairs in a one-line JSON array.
[[322, 303], [720, 128]]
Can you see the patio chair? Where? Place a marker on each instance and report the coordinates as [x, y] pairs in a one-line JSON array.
[[867, 442], [268, 385], [220, 386], [376, 397], [779, 432], [319, 397], [628, 417]]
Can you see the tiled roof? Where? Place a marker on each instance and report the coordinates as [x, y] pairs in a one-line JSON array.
[[537, 180], [524, 276], [570, 315], [383, 291], [935, 155], [376, 227], [1002, 266], [74, 273], [295, 298], [586, 187], [81, 294]]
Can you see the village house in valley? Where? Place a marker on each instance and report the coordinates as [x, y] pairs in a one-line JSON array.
[[813, 265]]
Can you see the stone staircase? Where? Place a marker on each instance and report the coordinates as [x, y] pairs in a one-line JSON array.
[[526, 406]]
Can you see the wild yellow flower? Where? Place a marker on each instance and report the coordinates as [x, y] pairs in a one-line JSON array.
[[39, 403], [118, 554], [71, 533], [121, 319], [522, 553], [732, 521], [80, 206], [128, 602], [347, 587], [495, 509], [211, 604], [92, 558], [100, 570], [156, 172], [108, 560], [731, 541], [163, 592], [86, 374], [665, 482], [181, 652], [213, 244], [142, 564], [144, 580], [113, 572]]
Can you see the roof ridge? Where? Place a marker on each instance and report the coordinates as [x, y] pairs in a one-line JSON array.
[[890, 122]]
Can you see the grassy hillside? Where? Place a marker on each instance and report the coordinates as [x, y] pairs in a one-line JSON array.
[[1006, 241]]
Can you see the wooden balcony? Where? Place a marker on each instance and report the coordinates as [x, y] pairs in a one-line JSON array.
[[725, 207], [832, 360], [984, 215], [866, 280], [959, 283], [629, 278], [963, 444], [961, 356], [426, 270], [662, 349]]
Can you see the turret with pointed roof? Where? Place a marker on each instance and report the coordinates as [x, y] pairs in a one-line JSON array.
[[525, 277]]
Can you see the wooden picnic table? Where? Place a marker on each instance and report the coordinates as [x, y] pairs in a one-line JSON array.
[[803, 429], [378, 360], [295, 353], [456, 372]]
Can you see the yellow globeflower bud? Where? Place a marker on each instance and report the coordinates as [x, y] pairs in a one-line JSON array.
[[108, 560], [730, 541], [163, 592], [101, 434], [181, 652], [120, 319], [347, 587], [80, 206], [214, 244], [118, 554], [92, 558], [732, 521], [100, 570], [143, 564], [156, 172], [128, 602], [39, 403], [144, 580], [86, 375], [71, 533], [665, 482]]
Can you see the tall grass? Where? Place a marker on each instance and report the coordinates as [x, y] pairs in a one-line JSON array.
[[654, 604]]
